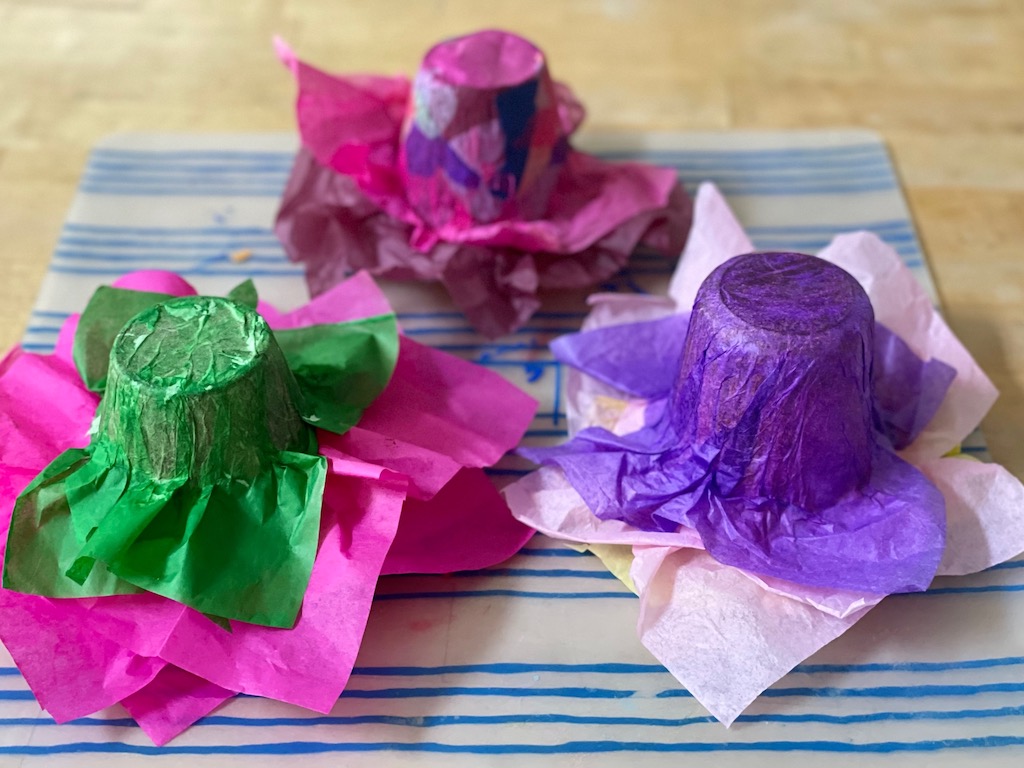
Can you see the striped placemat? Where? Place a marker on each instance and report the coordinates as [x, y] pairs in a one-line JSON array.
[[536, 662]]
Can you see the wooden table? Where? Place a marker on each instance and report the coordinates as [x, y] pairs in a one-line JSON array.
[[942, 81]]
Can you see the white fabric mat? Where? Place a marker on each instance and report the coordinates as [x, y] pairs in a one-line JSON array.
[[536, 662]]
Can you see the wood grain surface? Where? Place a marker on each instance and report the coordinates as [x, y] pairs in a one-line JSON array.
[[942, 80]]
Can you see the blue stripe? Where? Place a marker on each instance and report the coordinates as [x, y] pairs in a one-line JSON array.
[[552, 553], [967, 590], [618, 668], [120, 229], [881, 691], [767, 245], [444, 720], [736, 190], [467, 690], [152, 176], [622, 668], [181, 251], [821, 240], [502, 471], [830, 158], [761, 190], [883, 225], [526, 363], [1008, 564], [182, 191], [239, 270], [787, 153], [192, 154], [117, 229], [228, 242], [908, 253], [422, 330], [512, 668], [485, 348], [570, 747], [175, 177], [181, 263], [914, 666], [99, 166], [604, 595], [282, 155], [506, 593], [773, 168], [164, 256], [552, 573], [16, 696], [433, 721]]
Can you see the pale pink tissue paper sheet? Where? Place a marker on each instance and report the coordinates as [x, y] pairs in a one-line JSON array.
[[755, 628]]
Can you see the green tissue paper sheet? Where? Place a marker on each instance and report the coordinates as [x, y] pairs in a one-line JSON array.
[[202, 481]]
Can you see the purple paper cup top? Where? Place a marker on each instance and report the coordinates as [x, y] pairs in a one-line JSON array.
[[483, 139], [776, 373], [788, 293], [488, 59]]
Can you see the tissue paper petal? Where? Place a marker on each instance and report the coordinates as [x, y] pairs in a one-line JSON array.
[[274, 551], [983, 507], [353, 298], [624, 356], [449, 405], [835, 602], [908, 391], [886, 538], [720, 634], [173, 701], [902, 305], [313, 660], [464, 527], [716, 236], [42, 540], [343, 119], [33, 436], [428, 470], [545, 500], [438, 414], [72, 670], [101, 321], [328, 224], [341, 368]]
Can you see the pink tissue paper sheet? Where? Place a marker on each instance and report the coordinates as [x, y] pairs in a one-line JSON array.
[[402, 488]]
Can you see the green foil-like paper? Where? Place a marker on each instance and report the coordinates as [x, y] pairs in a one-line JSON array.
[[202, 481]]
